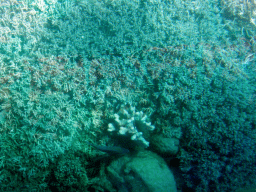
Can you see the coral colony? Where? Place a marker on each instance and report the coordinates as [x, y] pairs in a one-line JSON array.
[[131, 124]]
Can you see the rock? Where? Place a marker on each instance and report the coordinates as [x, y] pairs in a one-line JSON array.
[[164, 146], [142, 172]]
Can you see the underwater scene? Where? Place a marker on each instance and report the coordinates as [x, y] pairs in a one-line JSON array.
[[128, 95]]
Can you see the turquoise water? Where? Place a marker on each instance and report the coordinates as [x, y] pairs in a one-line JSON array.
[[173, 82]]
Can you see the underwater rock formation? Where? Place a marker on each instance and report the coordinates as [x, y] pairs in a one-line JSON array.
[[165, 146], [142, 172]]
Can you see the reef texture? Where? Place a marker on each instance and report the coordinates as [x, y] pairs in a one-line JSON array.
[[67, 66]]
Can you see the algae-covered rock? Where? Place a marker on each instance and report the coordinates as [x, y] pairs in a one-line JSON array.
[[143, 172], [165, 146]]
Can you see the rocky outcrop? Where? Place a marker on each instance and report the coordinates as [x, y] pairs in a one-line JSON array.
[[143, 172]]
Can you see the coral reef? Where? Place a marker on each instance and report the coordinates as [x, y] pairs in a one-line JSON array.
[[245, 10], [66, 67]]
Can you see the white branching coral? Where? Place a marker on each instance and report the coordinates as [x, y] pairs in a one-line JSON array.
[[132, 124]]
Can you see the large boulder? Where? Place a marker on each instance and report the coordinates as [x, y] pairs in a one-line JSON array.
[[144, 171]]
